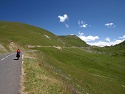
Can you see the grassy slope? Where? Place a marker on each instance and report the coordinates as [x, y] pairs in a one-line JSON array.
[[72, 40], [39, 77], [90, 70], [93, 71], [26, 35]]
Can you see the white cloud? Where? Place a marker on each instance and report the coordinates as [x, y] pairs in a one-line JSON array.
[[110, 25], [67, 26], [107, 42], [107, 39], [63, 18], [99, 43], [123, 37], [87, 38], [82, 24], [103, 43]]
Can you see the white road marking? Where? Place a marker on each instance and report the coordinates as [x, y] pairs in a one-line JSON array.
[[7, 56], [2, 59]]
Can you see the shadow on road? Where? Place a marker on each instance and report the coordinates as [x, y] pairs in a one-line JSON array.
[[15, 59]]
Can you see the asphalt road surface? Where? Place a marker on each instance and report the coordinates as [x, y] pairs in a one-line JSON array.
[[10, 74]]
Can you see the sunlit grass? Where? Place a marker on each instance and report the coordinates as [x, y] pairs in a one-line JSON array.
[[87, 72], [74, 68], [38, 79]]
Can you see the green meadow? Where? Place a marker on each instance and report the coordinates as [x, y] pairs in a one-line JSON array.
[[64, 64], [87, 72]]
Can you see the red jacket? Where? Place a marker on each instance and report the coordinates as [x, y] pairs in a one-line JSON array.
[[18, 51]]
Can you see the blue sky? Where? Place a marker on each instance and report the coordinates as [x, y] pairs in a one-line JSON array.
[[97, 22]]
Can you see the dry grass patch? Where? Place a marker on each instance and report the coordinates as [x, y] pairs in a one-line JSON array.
[[2, 49], [38, 80]]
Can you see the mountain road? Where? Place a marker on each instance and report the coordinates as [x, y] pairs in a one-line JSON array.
[[10, 74]]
